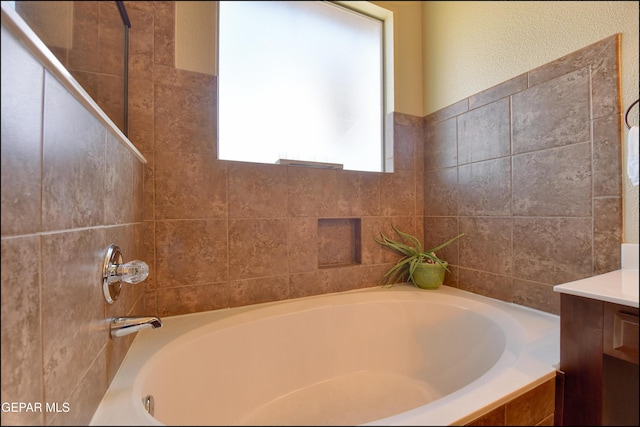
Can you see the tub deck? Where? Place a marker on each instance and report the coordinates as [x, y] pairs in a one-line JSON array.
[[412, 402]]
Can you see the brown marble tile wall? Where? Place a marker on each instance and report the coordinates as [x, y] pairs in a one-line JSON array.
[[530, 171], [69, 189], [96, 55], [223, 234]]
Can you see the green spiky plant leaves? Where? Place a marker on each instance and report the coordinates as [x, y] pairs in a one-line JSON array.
[[413, 255]]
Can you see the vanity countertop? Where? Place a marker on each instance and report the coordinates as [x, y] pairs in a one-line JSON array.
[[618, 287]]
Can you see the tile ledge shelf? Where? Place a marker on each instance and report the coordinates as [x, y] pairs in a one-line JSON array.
[[618, 287], [14, 23]]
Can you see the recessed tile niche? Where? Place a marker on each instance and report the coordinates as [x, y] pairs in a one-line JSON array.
[[339, 242]]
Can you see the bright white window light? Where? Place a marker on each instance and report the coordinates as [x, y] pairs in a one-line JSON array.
[[300, 80]]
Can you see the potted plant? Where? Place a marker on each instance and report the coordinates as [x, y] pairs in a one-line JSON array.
[[421, 267]]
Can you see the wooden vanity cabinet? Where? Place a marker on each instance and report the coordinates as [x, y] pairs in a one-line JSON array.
[[598, 372]]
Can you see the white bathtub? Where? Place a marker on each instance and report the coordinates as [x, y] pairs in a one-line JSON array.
[[378, 356]]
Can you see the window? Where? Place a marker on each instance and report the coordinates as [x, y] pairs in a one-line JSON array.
[[301, 80]]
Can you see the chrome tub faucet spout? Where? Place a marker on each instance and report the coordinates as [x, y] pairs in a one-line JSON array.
[[121, 326]]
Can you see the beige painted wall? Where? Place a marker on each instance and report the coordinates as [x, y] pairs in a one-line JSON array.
[[407, 48], [196, 45], [471, 46]]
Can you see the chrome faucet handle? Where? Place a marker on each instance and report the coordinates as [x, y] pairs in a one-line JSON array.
[[133, 272], [114, 272]]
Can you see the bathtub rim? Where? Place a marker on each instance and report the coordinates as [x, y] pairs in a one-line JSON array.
[[535, 365], [409, 299]]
